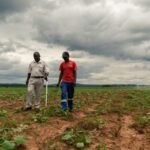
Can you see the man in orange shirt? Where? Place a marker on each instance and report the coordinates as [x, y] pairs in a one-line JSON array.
[[67, 78]]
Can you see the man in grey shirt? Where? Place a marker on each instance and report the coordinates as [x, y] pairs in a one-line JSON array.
[[37, 72]]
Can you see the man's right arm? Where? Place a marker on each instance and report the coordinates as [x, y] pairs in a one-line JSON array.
[[46, 70], [29, 74], [60, 77], [28, 77], [75, 77]]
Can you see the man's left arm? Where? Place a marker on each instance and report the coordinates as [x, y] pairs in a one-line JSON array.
[[46, 71], [75, 73], [75, 76]]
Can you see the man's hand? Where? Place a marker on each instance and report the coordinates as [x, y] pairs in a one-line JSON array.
[[27, 82], [46, 76], [75, 84], [28, 77], [58, 84]]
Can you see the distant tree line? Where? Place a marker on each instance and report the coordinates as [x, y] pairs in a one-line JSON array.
[[78, 85]]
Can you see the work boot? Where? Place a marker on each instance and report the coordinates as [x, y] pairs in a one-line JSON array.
[[37, 110], [26, 108], [70, 110]]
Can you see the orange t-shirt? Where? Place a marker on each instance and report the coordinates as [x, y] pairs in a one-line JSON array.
[[68, 69]]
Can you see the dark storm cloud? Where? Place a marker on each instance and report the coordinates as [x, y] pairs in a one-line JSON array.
[[82, 31], [110, 39], [7, 7], [95, 28], [87, 25]]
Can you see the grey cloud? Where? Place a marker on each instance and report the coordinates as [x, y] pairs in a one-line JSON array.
[[75, 31], [8, 63], [16, 74], [11, 71], [7, 46], [114, 29], [142, 3], [12, 68], [85, 69], [5, 65], [12, 46], [94, 29], [8, 7]]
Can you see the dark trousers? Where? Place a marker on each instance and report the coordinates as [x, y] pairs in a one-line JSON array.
[[67, 94]]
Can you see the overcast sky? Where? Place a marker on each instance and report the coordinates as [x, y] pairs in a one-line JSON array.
[[109, 39]]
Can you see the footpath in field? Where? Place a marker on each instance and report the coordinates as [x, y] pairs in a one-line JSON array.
[[112, 120]]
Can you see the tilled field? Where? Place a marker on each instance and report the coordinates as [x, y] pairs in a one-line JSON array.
[[103, 119]]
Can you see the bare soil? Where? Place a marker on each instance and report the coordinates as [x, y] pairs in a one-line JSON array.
[[117, 134]]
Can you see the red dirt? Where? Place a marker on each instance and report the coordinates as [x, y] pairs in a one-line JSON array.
[[129, 138], [52, 130], [10, 105], [117, 133]]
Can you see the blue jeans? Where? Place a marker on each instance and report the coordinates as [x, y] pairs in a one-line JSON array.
[[67, 94]]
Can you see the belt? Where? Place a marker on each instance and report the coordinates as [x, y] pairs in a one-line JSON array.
[[37, 77]]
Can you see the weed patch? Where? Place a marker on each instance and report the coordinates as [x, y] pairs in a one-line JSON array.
[[90, 123], [3, 112], [54, 111], [101, 147], [8, 141], [12, 144], [104, 107], [142, 121], [39, 118], [76, 138]]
